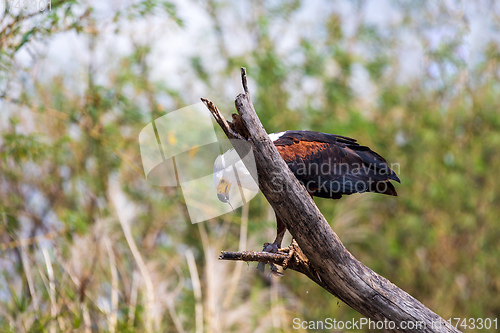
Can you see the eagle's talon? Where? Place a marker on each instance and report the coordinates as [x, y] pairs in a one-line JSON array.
[[274, 270], [271, 248]]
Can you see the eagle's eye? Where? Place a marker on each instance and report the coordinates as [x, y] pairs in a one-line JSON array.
[[222, 181]]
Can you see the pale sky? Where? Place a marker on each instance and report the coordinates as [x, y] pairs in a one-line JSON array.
[[173, 47]]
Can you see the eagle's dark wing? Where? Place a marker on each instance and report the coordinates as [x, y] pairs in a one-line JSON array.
[[331, 165]]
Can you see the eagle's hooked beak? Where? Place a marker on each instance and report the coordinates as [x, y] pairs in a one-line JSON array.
[[223, 190]]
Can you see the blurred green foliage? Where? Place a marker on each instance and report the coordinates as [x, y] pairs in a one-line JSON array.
[[69, 153]]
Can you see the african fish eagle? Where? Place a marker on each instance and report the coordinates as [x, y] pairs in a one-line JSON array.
[[328, 165]]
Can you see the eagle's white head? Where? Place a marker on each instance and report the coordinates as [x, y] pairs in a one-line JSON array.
[[228, 170]]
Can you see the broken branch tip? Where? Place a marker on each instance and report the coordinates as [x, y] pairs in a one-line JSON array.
[[244, 79]]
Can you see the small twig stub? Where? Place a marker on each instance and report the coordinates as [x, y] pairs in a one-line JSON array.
[[244, 80]]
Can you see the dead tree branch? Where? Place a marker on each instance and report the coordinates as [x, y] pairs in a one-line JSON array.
[[326, 261], [291, 257]]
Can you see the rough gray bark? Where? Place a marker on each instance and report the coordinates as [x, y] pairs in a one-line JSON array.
[[323, 257]]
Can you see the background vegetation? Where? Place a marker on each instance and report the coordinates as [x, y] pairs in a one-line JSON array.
[[87, 244]]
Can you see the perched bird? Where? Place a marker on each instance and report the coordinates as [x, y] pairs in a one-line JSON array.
[[328, 166]]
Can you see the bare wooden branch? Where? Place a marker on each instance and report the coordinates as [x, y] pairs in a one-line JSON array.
[[223, 123], [266, 257], [329, 263], [291, 257]]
